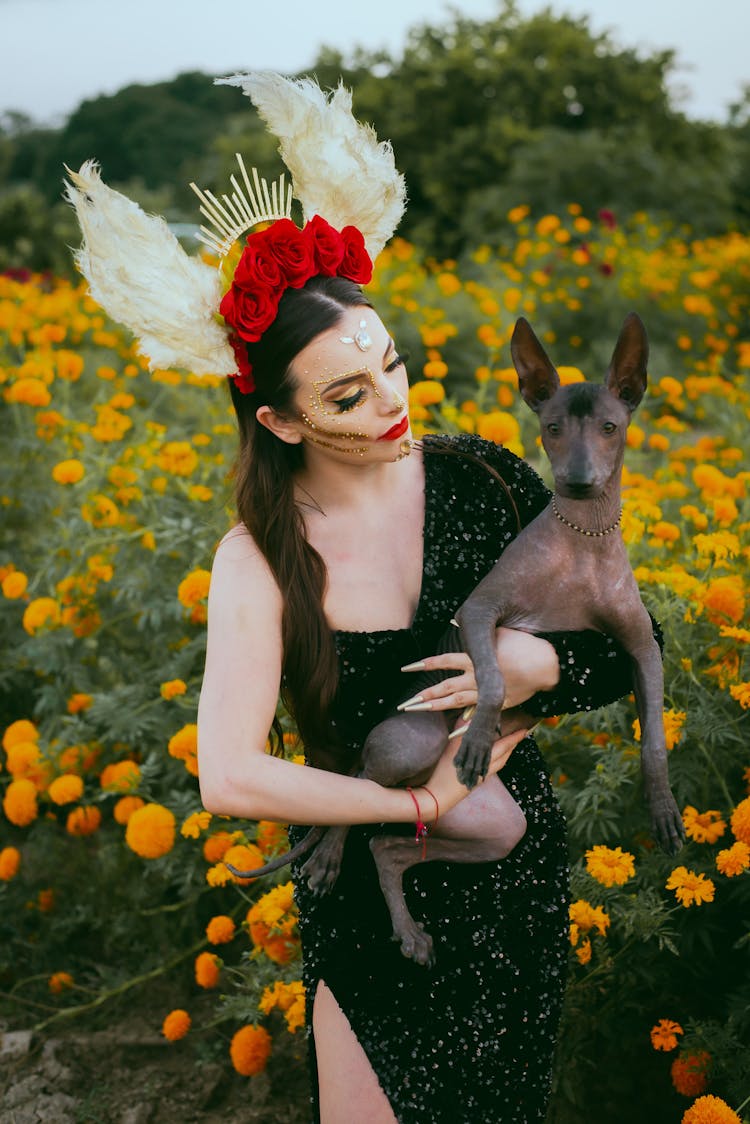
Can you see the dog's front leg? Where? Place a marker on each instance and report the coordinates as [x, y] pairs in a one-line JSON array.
[[477, 619]]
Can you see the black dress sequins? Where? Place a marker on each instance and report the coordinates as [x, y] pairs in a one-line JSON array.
[[471, 1039]]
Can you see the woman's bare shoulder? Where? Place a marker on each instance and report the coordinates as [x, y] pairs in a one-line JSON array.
[[240, 569]]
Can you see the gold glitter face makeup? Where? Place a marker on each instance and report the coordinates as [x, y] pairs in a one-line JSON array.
[[350, 400]]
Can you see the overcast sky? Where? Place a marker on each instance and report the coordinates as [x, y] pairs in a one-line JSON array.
[[55, 53]]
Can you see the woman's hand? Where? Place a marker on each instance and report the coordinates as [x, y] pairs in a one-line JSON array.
[[528, 664], [444, 783]]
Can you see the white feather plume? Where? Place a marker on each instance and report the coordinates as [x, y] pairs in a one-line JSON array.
[[137, 270], [339, 169]]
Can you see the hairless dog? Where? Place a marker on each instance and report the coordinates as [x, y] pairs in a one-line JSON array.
[[567, 570]]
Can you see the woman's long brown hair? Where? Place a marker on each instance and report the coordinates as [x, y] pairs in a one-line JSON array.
[[264, 491]]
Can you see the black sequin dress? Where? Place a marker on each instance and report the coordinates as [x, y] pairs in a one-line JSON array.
[[471, 1039]]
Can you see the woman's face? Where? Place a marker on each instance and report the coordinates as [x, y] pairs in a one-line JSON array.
[[351, 397]]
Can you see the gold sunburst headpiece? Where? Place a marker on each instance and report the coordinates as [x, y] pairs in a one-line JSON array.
[[243, 210]]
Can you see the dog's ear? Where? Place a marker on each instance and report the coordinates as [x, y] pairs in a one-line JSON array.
[[626, 375], [537, 378]]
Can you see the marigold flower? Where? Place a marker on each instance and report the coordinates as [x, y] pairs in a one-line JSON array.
[[271, 837], [249, 1050], [217, 845], [741, 693], [150, 831], [272, 923], [42, 612], [14, 585], [45, 901], [59, 982], [733, 860], [498, 426], [10, 861], [583, 952], [427, 393], [725, 599], [289, 998], [194, 588], [172, 688], [125, 807], [207, 969], [740, 821], [200, 493], [588, 917], [176, 1025], [220, 929], [690, 888], [120, 776], [79, 702], [19, 802], [703, 827], [68, 472], [690, 1073], [23, 760], [66, 789], [710, 1110], [20, 731], [195, 824], [611, 867], [177, 457], [243, 856], [664, 1034], [84, 820], [674, 720], [29, 391]]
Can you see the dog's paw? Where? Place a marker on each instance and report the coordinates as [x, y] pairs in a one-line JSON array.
[[324, 865], [416, 945], [471, 762]]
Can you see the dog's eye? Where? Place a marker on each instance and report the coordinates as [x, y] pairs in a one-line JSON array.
[[609, 427], [553, 428]]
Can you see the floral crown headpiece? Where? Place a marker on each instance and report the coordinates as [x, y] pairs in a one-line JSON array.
[[138, 271]]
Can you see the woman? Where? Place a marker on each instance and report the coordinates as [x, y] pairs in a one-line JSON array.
[[348, 564]]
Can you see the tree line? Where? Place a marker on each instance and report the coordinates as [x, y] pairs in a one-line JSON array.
[[483, 116]]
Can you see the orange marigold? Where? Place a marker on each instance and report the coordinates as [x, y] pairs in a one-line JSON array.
[[177, 457], [125, 807], [43, 611], [59, 982], [217, 845], [176, 1025], [10, 861], [207, 969], [79, 702], [703, 827], [121, 776], [19, 802], [243, 856], [66, 789], [733, 860], [588, 917], [664, 1034], [195, 824], [68, 472], [740, 821], [151, 831], [220, 930], [725, 599], [249, 1050], [710, 1110], [20, 731], [271, 837], [741, 693], [194, 588], [498, 426], [690, 1073], [14, 585], [84, 820], [610, 866], [172, 688], [690, 888]]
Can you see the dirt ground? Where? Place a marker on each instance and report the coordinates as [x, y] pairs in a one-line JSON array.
[[124, 1073]]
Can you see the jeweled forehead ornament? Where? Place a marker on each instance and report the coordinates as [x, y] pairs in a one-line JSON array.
[[361, 337]]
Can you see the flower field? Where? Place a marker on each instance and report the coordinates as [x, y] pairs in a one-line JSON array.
[[115, 486]]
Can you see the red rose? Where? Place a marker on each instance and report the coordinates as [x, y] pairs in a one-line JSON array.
[[327, 244], [243, 380], [258, 267], [292, 250], [250, 314], [356, 263]]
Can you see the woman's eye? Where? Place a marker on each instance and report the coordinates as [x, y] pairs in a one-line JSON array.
[[344, 404], [397, 361]]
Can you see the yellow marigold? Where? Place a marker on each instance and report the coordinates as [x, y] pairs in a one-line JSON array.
[[272, 923], [703, 827], [289, 998], [518, 214], [79, 702], [172, 688], [151, 831], [177, 457], [429, 393], [84, 820], [725, 511], [583, 952], [740, 821], [184, 743], [66, 789], [14, 585], [611, 867], [125, 807], [249, 1050], [200, 493], [243, 856], [30, 392], [19, 802], [690, 1073], [220, 929], [20, 731], [665, 532], [710, 1110], [10, 861], [59, 982], [741, 692], [195, 824], [733, 860], [570, 375], [194, 588], [217, 845], [690, 888], [498, 426], [121, 776], [68, 472], [42, 612], [674, 720], [271, 837], [176, 1025], [588, 917], [546, 225], [741, 634], [101, 511], [720, 545], [207, 969], [664, 1034]]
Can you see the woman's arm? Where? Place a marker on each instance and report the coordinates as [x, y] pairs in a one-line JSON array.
[[238, 703]]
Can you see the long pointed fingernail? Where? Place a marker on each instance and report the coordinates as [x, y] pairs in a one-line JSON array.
[[457, 733], [418, 706], [455, 622], [410, 702], [469, 711], [417, 666]]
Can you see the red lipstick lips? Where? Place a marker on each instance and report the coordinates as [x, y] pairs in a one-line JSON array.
[[397, 430]]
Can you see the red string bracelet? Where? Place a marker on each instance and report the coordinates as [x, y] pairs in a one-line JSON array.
[[434, 799], [421, 835]]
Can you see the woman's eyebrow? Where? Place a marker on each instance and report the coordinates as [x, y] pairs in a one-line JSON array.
[[351, 375]]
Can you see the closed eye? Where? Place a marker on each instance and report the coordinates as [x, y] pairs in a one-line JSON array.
[[348, 403]]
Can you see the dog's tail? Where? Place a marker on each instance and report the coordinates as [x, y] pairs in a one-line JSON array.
[[312, 837]]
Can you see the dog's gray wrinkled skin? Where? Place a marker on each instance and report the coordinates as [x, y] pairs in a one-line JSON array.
[[550, 578]]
